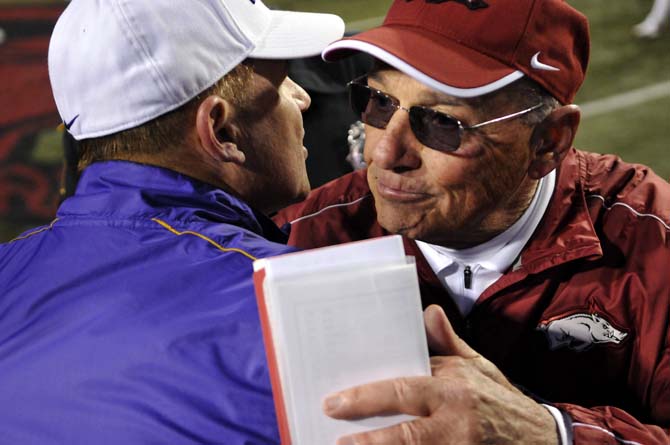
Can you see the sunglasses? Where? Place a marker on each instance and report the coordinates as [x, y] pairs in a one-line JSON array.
[[432, 128]]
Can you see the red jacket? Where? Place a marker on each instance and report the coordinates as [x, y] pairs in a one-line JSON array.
[[581, 319]]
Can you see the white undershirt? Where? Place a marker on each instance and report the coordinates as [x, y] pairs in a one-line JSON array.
[[488, 261]]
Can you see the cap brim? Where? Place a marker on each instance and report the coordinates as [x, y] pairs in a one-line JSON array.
[[293, 35], [438, 62]]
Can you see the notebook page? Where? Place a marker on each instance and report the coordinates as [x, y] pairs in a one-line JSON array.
[[343, 329]]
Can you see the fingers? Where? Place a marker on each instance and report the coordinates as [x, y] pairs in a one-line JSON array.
[[494, 418], [417, 432], [409, 395], [441, 336]]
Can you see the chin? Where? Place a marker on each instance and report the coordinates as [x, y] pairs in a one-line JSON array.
[[397, 224], [282, 195], [305, 188], [297, 195], [301, 191]]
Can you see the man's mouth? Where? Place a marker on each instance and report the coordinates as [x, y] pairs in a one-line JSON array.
[[398, 192]]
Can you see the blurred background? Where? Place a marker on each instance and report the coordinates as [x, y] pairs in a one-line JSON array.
[[625, 99]]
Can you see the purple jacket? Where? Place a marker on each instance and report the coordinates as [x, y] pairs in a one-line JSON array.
[[131, 319]]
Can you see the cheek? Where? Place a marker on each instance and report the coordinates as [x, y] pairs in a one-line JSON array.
[[449, 174], [291, 166], [492, 170], [505, 170], [372, 137], [464, 187]]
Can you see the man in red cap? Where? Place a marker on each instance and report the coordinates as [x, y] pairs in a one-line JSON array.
[[551, 264]]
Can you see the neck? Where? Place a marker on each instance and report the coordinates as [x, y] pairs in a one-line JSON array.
[[185, 163]]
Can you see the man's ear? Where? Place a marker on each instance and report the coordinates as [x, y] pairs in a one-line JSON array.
[[215, 130], [552, 139]]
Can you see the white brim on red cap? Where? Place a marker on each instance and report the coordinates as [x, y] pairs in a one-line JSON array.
[[341, 48]]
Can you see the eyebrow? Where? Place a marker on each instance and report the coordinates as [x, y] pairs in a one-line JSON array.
[[425, 96]]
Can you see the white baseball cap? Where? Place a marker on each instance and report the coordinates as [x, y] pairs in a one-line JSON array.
[[116, 64]]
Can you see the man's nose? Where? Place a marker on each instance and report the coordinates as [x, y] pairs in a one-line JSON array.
[[300, 96], [397, 148]]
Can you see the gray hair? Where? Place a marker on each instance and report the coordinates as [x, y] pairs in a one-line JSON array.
[[527, 93], [524, 93]]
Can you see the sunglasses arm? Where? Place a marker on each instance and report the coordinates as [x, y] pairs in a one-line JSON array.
[[504, 118]]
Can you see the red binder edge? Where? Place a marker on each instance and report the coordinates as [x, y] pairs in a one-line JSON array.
[[278, 395]]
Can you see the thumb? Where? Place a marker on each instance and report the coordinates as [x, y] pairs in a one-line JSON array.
[[441, 336]]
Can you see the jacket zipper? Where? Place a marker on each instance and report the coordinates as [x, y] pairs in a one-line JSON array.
[[467, 277]]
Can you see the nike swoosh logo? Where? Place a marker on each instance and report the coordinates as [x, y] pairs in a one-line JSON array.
[[535, 63], [68, 125]]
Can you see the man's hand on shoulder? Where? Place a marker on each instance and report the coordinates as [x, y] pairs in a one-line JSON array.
[[467, 400]]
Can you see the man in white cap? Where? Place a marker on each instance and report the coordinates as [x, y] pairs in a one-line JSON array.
[[131, 318], [550, 263]]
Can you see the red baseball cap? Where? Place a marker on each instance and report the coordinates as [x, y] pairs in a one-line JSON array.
[[467, 48]]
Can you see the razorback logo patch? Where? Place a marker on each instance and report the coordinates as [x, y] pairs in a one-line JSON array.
[[580, 332], [471, 4]]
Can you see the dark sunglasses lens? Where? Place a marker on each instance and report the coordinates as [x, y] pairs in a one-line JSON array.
[[359, 96], [375, 109], [434, 129]]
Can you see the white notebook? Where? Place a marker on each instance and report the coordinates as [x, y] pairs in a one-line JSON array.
[[333, 318]]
